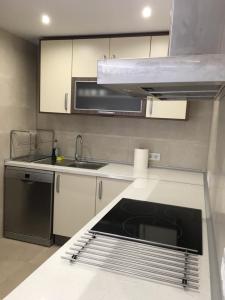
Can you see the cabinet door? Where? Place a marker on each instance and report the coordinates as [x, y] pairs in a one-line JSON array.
[[130, 47], [159, 46], [107, 190], [86, 53], [74, 203], [166, 109], [90, 98], [55, 76]]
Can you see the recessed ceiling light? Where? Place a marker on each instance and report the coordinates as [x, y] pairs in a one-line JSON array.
[[146, 12], [45, 19]]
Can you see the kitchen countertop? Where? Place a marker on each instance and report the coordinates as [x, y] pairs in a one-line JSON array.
[[118, 171], [58, 279]]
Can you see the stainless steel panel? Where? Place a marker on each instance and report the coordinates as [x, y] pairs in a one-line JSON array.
[[29, 174], [196, 69], [51, 161], [186, 76], [197, 27], [86, 165], [28, 203]]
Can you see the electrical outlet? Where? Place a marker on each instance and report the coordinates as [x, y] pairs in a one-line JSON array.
[[154, 156]]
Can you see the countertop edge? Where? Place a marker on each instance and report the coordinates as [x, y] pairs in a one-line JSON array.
[[120, 172]]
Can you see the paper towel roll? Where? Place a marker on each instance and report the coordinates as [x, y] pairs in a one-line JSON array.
[[140, 159]]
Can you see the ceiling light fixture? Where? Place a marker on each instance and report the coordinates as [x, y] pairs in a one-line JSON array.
[[45, 19], [146, 12]]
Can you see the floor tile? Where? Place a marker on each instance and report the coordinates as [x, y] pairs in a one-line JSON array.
[[18, 260]]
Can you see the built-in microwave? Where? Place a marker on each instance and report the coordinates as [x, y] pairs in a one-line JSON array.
[[90, 98]]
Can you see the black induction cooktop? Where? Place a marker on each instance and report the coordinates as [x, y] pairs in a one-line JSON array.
[[164, 225]]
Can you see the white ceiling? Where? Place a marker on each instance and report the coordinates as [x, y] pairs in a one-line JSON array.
[[74, 17]]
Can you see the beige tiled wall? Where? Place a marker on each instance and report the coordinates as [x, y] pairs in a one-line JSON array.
[[17, 93], [182, 144]]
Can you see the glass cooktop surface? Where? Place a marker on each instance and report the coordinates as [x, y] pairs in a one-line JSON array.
[[166, 225]]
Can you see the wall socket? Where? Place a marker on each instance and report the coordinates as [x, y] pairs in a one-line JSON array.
[[154, 156]]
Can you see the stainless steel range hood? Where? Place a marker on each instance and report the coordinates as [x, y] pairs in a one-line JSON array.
[[190, 77], [191, 72]]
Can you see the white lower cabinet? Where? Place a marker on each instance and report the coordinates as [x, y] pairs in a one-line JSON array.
[[107, 190], [74, 202]]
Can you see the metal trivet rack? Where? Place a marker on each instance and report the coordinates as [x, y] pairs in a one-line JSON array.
[[142, 260]]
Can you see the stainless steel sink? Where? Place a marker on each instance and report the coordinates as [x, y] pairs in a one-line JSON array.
[[72, 163], [87, 165]]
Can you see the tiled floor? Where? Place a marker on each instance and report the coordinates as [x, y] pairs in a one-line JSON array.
[[17, 261]]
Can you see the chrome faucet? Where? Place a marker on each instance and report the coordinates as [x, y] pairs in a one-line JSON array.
[[78, 156]]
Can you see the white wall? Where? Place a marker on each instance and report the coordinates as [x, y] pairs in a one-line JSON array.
[[216, 179]]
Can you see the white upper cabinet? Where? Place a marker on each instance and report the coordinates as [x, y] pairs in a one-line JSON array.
[[63, 59], [130, 47], [86, 53], [164, 109], [55, 76], [159, 46]]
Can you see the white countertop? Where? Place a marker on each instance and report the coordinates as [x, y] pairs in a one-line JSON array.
[[119, 171], [58, 279]]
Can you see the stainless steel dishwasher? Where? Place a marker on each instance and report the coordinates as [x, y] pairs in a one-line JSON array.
[[28, 205]]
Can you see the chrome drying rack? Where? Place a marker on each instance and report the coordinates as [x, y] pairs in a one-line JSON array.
[[143, 260], [31, 144]]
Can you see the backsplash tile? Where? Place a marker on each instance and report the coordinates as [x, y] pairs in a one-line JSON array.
[[182, 144]]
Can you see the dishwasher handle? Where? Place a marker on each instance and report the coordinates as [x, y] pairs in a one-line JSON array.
[[27, 181]]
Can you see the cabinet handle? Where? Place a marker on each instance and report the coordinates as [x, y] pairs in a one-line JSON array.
[[100, 190], [151, 106], [106, 112], [58, 184], [113, 56], [66, 101]]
